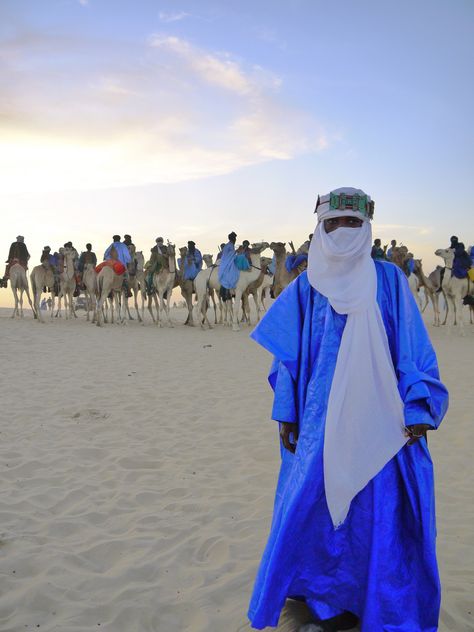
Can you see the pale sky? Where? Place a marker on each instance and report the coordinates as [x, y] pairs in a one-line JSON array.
[[192, 119]]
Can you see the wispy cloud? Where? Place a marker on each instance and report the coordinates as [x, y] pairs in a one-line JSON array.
[[84, 3], [166, 112], [173, 17]]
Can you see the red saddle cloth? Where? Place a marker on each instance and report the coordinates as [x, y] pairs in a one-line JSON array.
[[117, 266]]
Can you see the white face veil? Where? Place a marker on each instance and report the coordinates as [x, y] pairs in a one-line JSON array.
[[365, 416]]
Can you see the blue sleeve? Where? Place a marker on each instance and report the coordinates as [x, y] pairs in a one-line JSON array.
[[107, 253], [280, 330], [424, 395], [284, 401], [198, 260]]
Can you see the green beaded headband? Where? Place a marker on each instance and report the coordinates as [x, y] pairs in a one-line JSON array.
[[344, 202]]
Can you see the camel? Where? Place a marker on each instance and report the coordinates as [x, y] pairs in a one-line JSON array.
[[187, 288], [137, 286], [254, 289], [282, 277], [246, 277], [108, 281], [89, 279], [19, 285], [67, 284], [163, 282], [454, 289], [42, 276], [210, 265], [209, 279], [431, 288]]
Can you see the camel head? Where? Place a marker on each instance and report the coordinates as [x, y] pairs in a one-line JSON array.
[[140, 259], [208, 260], [265, 262], [278, 247], [259, 247], [447, 254], [418, 265], [183, 251], [171, 249]]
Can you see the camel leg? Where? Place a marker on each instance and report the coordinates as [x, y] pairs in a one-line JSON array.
[[235, 315], [21, 302], [135, 301], [15, 297]]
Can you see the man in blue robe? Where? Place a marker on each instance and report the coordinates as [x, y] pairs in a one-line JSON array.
[[121, 249], [228, 272], [356, 386], [191, 263]]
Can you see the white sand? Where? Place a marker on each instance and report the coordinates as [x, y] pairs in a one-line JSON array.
[[139, 467]]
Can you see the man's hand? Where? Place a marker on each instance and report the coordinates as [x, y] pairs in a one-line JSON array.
[[287, 429], [416, 432]]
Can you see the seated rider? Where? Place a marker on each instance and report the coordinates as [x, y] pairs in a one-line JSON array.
[[192, 262], [18, 253], [462, 261], [87, 257], [155, 263]]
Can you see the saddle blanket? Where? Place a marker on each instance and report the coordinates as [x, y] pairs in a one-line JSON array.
[[117, 266]]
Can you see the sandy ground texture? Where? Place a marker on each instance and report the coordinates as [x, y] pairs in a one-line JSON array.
[[138, 469]]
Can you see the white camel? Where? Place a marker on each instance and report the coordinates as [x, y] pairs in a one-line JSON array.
[[19, 285], [163, 282], [67, 283], [136, 283], [246, 278], [109, 282], [454, 289], [209, 279], [42, 276], [89, 279], [254, 289]]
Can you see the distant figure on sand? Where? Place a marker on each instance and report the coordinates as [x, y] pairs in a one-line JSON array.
[[18, 253], [356, 388]]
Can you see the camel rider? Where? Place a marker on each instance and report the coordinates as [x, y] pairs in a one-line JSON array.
[[18, 253], [242, 259], [393, 244], [119, 251], [132, 266], [192, 263], [462, 262], [87, 257], [298, 258], [219, 254], [155, 263], [378, 252], [127, 240], [51, 261], [228, 271]]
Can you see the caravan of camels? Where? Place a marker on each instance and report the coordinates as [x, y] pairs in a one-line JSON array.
[[225, 283]]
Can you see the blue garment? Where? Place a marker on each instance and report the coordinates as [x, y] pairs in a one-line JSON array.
[[192, 265], [411, 265], [381, 563], [228, 271], [242, 262], [293, 261], [123, 252]]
